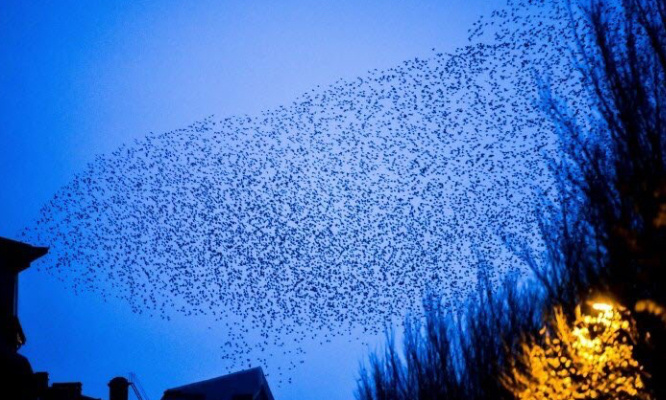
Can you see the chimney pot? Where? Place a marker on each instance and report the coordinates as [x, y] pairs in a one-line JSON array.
[[118, 388], [41, 382]]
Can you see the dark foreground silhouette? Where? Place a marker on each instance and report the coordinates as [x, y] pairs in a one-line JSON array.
[[19, 382], [604, 237]]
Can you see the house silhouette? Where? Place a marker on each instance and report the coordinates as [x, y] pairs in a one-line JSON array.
[[250, 384], [19, 382]]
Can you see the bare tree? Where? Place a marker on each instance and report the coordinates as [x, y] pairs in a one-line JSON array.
[[608, 236], [611, 236]]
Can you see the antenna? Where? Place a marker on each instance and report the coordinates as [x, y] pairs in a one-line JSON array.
[[136, 387]]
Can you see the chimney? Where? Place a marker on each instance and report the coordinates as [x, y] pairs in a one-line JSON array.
[[119, 388], [41, 384]]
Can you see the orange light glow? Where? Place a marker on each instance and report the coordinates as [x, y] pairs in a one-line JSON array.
[[588, 357], [602, 307]]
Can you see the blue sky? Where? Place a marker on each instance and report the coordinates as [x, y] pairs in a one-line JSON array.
[[81, 78]]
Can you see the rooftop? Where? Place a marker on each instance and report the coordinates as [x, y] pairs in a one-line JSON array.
[[250, 384], [18, 255]]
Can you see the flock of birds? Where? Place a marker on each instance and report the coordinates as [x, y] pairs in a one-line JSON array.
[[337, 212]]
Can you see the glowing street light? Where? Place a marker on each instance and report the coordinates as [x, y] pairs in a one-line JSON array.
[[602, 307], [584, 357]]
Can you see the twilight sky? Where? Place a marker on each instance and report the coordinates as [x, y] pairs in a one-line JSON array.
[[80, 79]]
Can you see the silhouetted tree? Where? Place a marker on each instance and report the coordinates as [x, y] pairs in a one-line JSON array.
[[613, 208], [455, 355], [607, 236], [612, 232]]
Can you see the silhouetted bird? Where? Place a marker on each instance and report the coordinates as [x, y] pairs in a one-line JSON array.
[[337, 211]]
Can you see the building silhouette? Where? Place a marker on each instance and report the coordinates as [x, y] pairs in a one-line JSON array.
[[250, 384], [16, 378], [19, 382]]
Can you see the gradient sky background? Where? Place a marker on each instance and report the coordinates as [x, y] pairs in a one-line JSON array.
[[81, 78]]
